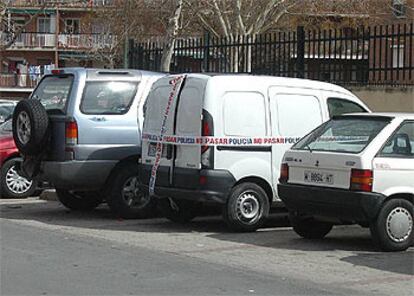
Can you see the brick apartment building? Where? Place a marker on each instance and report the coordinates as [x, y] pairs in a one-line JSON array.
[[61, 34]]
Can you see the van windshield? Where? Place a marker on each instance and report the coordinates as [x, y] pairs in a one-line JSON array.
[[53, 92], [348, 135]]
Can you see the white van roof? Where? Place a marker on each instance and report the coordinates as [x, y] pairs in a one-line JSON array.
[[275, 81]]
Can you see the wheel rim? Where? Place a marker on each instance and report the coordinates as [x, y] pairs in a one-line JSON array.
[[132, 195], [24, 128], [16, 183], [248, 207], [399, 224]]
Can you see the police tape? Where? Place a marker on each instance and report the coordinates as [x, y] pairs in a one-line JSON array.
[[176, 84], [217, 141], [241, 141]]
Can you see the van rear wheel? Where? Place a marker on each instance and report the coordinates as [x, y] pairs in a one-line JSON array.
[[308, 227], [178, 211], [247, 207], [393, 228], [124, 196], [79, 201]]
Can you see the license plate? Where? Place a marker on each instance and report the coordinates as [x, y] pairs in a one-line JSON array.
[[318, 177], [152, 150]]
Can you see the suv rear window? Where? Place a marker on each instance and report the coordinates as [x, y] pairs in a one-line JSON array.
[[108, 97], [53, 92], [343, 135]]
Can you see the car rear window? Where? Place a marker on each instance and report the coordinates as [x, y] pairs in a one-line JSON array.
[[339, 106], [343, 135], [108, 97], [53, 91], [6, 111]]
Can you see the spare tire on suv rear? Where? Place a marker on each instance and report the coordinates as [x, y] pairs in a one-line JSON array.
[[30, 127]]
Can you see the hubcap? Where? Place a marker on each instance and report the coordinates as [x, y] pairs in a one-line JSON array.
[[399, 224], [23, 127], [133, 196], [15, 183], [248, 207]]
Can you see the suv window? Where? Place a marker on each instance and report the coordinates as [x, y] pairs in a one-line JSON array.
[[53, 91], [108, 97], [337, 106], [401, 144]]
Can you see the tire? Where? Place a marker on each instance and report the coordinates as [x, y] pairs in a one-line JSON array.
[[125, 199], [178, 211], [30, 127], [247, 207], [393, 228], [12, 184], [308, 227], [79, 201]]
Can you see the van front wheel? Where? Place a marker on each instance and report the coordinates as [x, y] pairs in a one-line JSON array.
[[247, 207]]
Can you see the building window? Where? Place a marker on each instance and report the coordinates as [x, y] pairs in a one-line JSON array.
[[398, 56], [399, 8], [72, 26], [44, 25]]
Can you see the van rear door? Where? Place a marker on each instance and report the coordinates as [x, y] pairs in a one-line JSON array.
[[183, 120]]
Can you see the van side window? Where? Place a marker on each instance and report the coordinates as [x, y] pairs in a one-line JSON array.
[[337, 106], [401, 144], [244, 114], [295, 115]]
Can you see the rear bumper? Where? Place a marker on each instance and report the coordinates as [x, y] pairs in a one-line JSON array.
[[79, 175], [210, 186], [342, 204]]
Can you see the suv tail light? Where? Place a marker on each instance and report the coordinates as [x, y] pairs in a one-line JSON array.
[[207, 152], [284, 173], [361, 180], [71, 133]]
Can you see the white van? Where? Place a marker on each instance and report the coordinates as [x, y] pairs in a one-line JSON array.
[[242, 176]]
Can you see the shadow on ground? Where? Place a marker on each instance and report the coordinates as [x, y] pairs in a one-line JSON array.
[[273, 235]]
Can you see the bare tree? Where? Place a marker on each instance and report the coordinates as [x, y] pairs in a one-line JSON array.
[[171, 36]]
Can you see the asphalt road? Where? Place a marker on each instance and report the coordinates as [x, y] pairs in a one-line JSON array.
[[47, 250]]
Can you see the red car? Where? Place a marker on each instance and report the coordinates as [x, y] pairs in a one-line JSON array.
[[11, 184]]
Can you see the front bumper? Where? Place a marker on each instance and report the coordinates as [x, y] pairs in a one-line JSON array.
[[342, 204], [210, 186], [79, 175]]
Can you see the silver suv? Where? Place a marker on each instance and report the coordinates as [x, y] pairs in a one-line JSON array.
[[79, 131]]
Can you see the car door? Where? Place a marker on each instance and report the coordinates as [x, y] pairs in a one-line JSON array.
[[394, 164], [294, 113]]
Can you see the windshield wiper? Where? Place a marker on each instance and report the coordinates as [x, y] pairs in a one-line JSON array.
[[308, 147]]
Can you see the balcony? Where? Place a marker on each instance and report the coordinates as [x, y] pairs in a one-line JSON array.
[[19, 81], [63, 3], [47, 41]]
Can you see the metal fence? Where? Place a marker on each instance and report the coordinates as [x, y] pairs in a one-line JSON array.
[[371, 55]]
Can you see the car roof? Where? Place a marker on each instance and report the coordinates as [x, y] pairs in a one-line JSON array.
[[275, 80], [400, 115]]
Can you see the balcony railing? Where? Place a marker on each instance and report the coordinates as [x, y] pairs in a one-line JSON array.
[[65, 41], [64, 3], [19, 80]]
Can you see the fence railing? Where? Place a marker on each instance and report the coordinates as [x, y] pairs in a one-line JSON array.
[[371, 55]]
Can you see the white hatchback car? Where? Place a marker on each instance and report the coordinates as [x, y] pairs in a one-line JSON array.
[[354, 169]]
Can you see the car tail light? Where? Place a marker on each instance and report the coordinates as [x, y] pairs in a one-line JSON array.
[[207, 152], [361, 180], [57, 71], [284, 173], [71, 133]]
